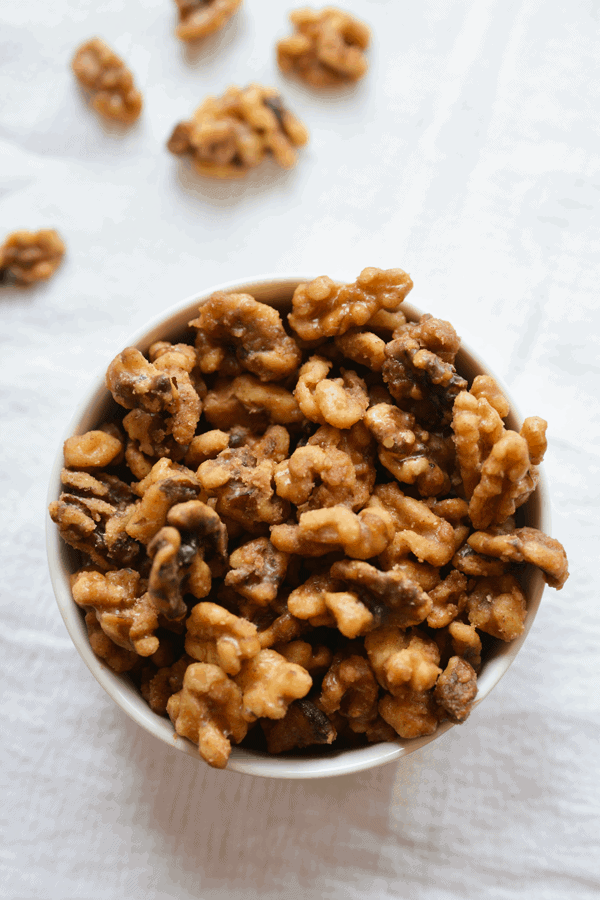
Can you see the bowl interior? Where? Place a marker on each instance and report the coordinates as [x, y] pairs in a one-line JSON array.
[[98, 406]]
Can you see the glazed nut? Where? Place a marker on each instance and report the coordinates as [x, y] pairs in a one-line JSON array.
[[525, 545], [448, 599], [220, 638], [315, 478], [208, 711], [418, 529], [28, 256], [350, 688], [114, 94], [166, 485], [319, 531], [118, 658], [406, 599], [498, 607], [410, 713], [257, 570], [94, 449], [313, 659], [362, 347], [303, 725], [327, 47], [456, 689], [402, 658], [323, 308], [269, 683], [199, 18], [340, 402]]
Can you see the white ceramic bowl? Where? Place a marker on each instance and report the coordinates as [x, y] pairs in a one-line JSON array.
[[276, 290]]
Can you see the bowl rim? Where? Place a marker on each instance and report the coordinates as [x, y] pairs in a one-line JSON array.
[[123, 692]]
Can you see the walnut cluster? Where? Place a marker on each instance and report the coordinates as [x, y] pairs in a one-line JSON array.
[[105, 75], [300, 530], [327, 47], [27, 257], [229, 135]]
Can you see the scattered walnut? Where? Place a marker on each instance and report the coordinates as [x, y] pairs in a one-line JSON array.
[[229, 135], [208, 711], [254, 329], [269, 683], [199, 18], [28, 256], [257, 570], [526, 545], [126, 615], [456, 689], [340, 402], [218, 637], [323, 308], [400, 658], [114, 94], [303, 725], [498, 607], [327, 47]]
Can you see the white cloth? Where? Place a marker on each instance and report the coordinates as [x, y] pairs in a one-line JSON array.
[[469, 156]]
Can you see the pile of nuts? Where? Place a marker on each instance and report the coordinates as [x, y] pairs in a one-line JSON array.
[[303, 532]]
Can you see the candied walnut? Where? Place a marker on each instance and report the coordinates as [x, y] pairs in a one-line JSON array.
[[418, 529], [308, 600], [208, 711], [410, 713], [92, 450], [218, 637], [362, 347], [397, 591], [350, 688], [118, 658], [376, 731], [179, 362], [30, 256], [205, 446], [456, 689], [225, 412], [477, 426], [125, 614], [114, 94], [257, 398], [409, 452], [448, 598], [254, 329], [466, 643], [475, 565], [166, 485], [199, 18], [283, 629], [269, 683], [358, 444], [498, 607], [352, 616], [243, 488], [420, 379], [316, 660], [422, 573], [435, 335], [534, 432], [525, 545], [323, 308], [229, 135], [340, 402], [92, 514], [327, 47], [400, 658], [507, 481], [257, 570], [319, 531], [314, 478], [303, 725], [484, 386], [162, 684]]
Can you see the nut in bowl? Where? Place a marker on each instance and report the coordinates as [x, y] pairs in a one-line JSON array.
[[304, 523]]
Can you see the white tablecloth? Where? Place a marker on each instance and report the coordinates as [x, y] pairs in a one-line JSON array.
[[469, 156]]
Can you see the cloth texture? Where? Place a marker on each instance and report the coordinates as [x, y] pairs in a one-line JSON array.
[[468, 156]]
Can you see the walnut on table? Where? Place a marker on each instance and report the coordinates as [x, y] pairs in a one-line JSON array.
[[456, 689], [199, 18], [229, 135], [327, 47], [323, 308], [114, 94], [30, 256]]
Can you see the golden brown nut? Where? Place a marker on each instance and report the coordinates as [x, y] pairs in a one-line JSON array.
[[254, 329], [466, 643], [498, 607], [418, 529], [350, 688], [409, 452], [526, 545], [435, 335], [448, 598], [475, 565], [303, 725], [229, 135], [308, 600], [118, 658], [327, 47], [272, 400], [208, 711], [269, 683], [320, 531], [125, 613], [358, 444], [163, 683], [362, 347], [316, 660], [257, 570], [456, 689], [28, 256], [314, 478], [114, 94], [351, 615], [92, 514], [340, 402], [218, 637], [400, 658], [199, 18], [323, 308], [410, 713], [507, 481], [92, 450], [166, 485], [409, 603]]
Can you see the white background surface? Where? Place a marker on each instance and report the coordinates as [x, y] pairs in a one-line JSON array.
[[469, 156]]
